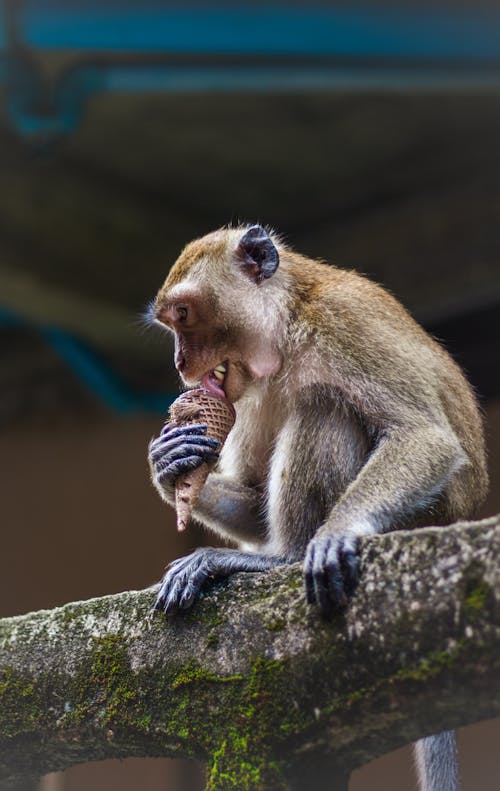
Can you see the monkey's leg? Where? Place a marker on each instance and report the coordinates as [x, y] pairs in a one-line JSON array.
[[186, 576], [320, 452]]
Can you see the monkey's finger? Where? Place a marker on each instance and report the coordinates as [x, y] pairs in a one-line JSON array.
[[333, 568], [168, 472], [165, 445], [186, 583], [160, 598], [350, 567], [337, 596], [193, 587], [180, 467], [321, 592], [320, 577], [178, 449], [173, 430], [180, 435], [182, 564], [173, 583], [349, 560], [308, 574], [179, 563], [182, 439], [170, 606], [158, 605], [172, 595], [158, 601], [314, 580], [187, 600]]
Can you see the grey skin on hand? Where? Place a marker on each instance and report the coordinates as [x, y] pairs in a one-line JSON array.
[[177, 450]]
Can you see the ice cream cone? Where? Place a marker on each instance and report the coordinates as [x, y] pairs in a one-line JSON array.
[[199, 406]]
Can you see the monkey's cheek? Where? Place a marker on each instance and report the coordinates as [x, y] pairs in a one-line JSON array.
[[236, 382]]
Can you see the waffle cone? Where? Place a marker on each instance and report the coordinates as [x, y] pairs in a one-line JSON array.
[[198, 406]]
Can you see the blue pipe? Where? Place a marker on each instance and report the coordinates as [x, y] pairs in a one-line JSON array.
[[262, 29], [381, 49], [89, 369]]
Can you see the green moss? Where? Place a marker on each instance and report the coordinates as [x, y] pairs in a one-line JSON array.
[[106, 689], [432, 666], [294, 582], [213, 639], [194, 673], [476, 593], [205, 612], [21, 704], [181, 706], [234, 768], [68, 615], [358, 694], [476, 596], [238, 747], [263, 710], [275, 623]]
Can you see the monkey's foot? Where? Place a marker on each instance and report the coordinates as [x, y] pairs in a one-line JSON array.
[[331, 571], [186, 576]]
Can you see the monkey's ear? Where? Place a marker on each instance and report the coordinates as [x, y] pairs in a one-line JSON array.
[[259, 255]]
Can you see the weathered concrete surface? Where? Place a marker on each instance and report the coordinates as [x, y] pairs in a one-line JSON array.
[[252, 681]]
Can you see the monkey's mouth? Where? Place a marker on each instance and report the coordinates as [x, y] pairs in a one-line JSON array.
[[214, 380]]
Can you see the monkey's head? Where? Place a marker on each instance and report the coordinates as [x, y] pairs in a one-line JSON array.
[[224, 302]]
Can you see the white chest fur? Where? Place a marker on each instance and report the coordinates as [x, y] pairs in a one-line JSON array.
[[246, 455]]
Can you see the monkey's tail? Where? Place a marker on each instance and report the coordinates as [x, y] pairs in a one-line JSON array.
[[436, 762]]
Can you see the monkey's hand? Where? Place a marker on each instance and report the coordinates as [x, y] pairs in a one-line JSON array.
[[177, 450], [185, 577], [331, 570]]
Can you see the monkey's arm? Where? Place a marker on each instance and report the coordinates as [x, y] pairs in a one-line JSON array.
[[226, 506], [405, 473], [231, 509]]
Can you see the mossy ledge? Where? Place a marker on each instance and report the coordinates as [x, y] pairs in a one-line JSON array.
[[252, 681]]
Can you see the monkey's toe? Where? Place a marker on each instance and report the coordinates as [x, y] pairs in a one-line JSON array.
[[182, 584]]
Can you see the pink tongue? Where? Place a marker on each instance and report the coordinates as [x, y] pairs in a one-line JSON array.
[[212, 384]]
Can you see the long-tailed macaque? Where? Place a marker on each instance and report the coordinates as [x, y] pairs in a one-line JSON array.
[[350, 421]]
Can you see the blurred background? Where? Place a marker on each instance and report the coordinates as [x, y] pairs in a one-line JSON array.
[[366, 132]]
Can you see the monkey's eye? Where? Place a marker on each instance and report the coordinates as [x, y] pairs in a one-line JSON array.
[[182, 312]]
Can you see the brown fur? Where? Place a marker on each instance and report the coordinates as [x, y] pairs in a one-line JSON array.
[[350, 420], [211, 246], [375, 419]]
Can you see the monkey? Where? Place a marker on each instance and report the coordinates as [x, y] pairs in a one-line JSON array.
[[351, 421]]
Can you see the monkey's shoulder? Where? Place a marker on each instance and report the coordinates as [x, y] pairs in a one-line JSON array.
[[323, 295]]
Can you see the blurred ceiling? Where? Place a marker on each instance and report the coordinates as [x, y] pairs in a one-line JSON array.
[[396, 180]]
